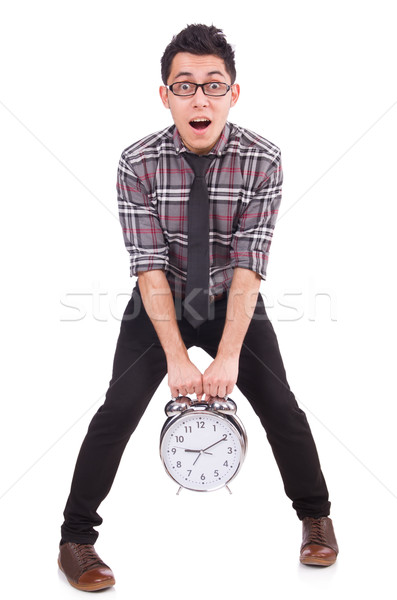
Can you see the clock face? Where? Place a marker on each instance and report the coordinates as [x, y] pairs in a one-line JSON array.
[[202, 451]]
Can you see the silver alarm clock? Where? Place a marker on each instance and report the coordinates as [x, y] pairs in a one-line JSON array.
[[202, 444]]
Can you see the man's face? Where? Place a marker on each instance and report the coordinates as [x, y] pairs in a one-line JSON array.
[[199, 136]]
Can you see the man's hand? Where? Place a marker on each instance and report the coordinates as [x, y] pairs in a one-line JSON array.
[[220, 377], [184, 378]]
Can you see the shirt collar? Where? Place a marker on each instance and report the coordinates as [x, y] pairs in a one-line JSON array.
[[218, 149]]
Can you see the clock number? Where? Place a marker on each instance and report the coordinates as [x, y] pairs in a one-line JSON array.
[[225, 464], [202, 477], [200, 424], [180, 438], [229, 451], [214, 426], [189, 472], [179, 464], [173, 450], [216, 473], [188, 429]]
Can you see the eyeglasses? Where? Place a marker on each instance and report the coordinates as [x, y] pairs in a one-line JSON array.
[[187, 88]]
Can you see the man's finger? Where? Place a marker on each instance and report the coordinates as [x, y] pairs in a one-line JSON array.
[[174, 392]]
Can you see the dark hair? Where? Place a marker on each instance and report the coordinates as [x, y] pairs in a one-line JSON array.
[[201, 40]]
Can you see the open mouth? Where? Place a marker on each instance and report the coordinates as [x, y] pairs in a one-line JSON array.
[[200, 124]]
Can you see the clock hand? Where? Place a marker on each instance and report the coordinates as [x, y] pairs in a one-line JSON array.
[[189, 449], [197, 458], [208, 447], [218, 442], [201, 452]]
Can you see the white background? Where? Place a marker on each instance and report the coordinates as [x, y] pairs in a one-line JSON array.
[[79, 83]]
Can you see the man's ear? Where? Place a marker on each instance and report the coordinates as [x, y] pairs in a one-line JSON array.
[[235, 94], [164, 96]]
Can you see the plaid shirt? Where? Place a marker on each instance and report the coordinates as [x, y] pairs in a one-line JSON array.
[[244, 183]]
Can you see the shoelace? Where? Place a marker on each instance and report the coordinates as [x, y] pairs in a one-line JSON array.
[[317, 535], [87, 556]]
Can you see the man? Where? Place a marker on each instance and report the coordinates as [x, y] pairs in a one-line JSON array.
[[198, 203]]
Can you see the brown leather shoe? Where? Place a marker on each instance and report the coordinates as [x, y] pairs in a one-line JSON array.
[[83, 568], [319, 545]]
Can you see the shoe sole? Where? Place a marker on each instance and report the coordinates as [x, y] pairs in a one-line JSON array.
[[317, 562], [92, 587]]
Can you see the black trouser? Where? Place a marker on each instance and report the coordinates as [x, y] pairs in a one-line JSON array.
[[138, 369]]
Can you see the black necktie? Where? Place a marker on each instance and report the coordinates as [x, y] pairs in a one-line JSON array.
[[198, 258]]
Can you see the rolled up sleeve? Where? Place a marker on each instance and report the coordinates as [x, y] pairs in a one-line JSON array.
[[142, 232], [251, 241]]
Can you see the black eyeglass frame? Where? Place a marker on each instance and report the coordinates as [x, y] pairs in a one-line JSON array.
[[201, 85]]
